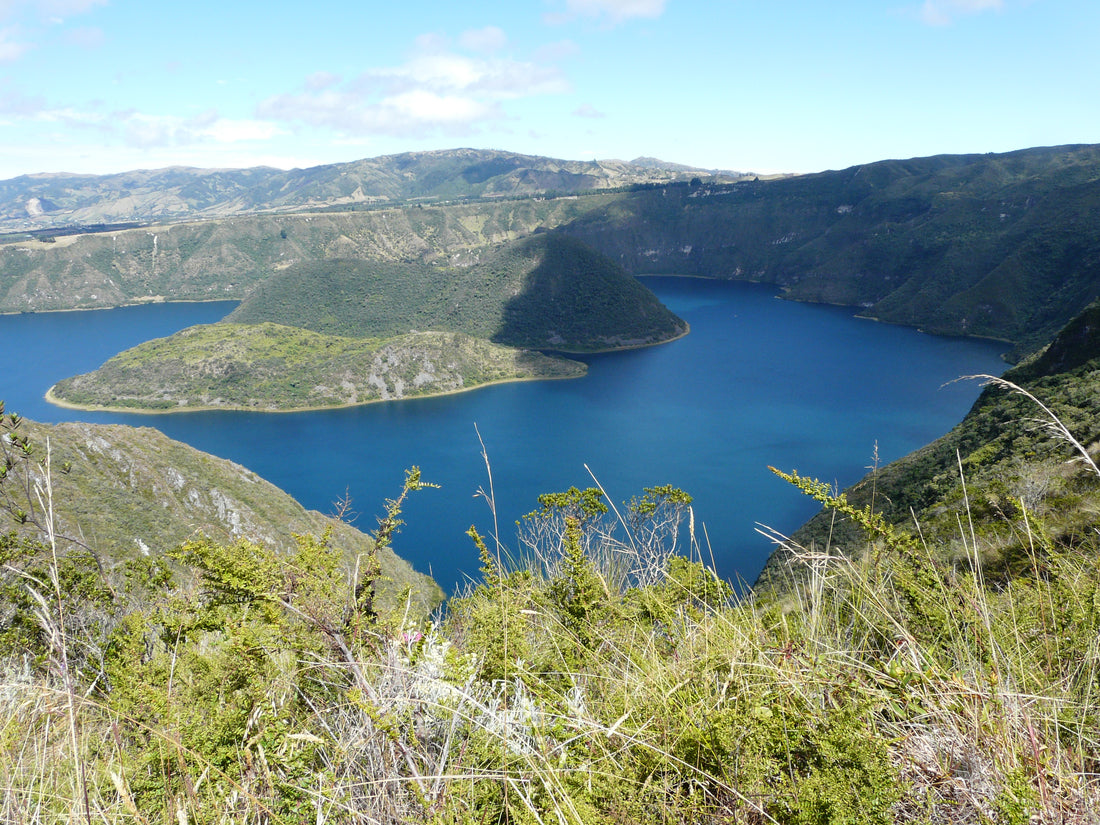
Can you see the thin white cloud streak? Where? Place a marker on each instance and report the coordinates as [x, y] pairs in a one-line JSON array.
[[613, 11], [139, 129], [142, 130], [943, 12]]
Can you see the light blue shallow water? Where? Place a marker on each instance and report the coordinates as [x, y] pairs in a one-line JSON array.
[[758, 381]]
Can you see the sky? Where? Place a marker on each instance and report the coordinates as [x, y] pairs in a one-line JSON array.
[[100, 86]]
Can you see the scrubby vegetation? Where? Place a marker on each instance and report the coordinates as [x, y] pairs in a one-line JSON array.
[[598, 672], [547, 291], [269, 366], [923, 651]]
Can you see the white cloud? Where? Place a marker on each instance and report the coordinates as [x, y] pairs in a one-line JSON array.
[[943, 12], [589, 111], [226, 130], [434, 92], [487, 40], [10, 49], [153, 130], [142, 130], [614, 11], [423, 106]]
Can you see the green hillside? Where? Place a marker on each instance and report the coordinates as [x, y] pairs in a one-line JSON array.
[[993, 245], [132, 493], [344, 332], [219, 259], [546, 291], [268, 367], [1002, 246], [1009, 459]]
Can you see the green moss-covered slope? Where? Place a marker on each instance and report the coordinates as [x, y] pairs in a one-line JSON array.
[[547, 291], [273, 367]]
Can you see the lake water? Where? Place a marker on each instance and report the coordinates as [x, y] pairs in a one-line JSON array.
[[758, 381]]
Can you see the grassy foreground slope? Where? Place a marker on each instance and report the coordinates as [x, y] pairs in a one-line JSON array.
[[132, 493], [268, 367], [605, 678]]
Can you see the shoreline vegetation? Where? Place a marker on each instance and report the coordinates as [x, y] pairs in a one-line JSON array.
[[58, 402], [134, 302], [54, 399]]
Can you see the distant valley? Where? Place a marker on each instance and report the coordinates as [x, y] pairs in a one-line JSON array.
[[38, 202]]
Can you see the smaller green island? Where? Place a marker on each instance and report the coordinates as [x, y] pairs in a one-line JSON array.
[[335, 332], [272, 367]]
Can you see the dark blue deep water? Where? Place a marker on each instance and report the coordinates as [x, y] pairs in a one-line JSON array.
[[758, 381]]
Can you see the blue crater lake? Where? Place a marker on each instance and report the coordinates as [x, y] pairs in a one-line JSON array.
[[758, 382]]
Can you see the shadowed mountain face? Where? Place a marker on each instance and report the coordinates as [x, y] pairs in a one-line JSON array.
[[574, 298], [547, 291]]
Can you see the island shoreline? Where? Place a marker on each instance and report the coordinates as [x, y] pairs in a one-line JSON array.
[[68, 405]]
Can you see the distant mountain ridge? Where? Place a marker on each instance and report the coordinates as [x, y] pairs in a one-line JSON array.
[[1003, 246], [42, 201]]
